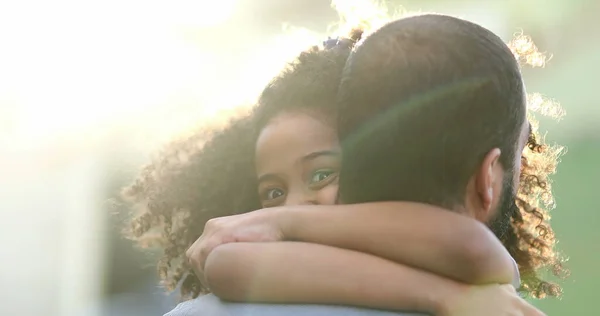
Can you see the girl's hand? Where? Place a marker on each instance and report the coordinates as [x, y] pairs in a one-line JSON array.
[[257, 226], [498, 300]]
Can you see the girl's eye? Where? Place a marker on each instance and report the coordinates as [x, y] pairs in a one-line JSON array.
[[272, 194], [321, 175]]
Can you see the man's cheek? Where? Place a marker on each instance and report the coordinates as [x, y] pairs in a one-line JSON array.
[[517, 171]]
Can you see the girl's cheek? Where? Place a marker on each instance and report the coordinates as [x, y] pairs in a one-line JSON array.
[[328, 195]]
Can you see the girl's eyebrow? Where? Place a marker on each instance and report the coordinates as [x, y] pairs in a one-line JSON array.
[[267, 177], [317, 154]]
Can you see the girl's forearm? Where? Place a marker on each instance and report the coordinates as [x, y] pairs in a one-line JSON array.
[[294, 272], [419, 235]]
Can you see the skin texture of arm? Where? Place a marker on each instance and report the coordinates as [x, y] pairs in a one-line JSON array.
[[295, 272], [419, 235]]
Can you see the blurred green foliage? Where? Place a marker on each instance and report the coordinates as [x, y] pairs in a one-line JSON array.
[[575, 221]]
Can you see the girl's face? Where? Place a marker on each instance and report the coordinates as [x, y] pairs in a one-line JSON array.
[[297, 161]]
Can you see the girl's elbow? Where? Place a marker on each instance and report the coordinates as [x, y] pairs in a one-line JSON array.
[[487, 261], [220, 273]]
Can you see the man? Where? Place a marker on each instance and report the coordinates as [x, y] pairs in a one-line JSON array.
[[445, 101], [444, 125]]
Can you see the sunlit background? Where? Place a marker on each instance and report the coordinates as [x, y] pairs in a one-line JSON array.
[[90, 89]]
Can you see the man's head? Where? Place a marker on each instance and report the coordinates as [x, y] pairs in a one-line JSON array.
[[432, 109]]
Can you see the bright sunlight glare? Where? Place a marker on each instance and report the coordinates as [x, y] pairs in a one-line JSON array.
[[73, 65]]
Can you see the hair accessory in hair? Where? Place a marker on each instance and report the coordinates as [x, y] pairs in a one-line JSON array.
[[336, 42], [330, 43]]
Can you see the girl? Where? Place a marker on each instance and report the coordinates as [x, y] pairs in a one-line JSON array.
[[192, 184]]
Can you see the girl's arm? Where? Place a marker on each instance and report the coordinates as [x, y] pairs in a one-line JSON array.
[[418, 235], [294, 272]]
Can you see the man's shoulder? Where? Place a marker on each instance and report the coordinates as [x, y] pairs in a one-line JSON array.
[[203, 305], [210, 305]]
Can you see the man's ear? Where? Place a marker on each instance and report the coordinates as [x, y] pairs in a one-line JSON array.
[[488, 183]]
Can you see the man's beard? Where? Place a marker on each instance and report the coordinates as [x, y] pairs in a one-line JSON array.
[[507, 207]]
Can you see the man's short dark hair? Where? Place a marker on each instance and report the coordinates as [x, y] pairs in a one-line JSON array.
[[421, 102]]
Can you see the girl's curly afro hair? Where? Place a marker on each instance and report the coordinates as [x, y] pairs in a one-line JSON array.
[[211, 172]]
